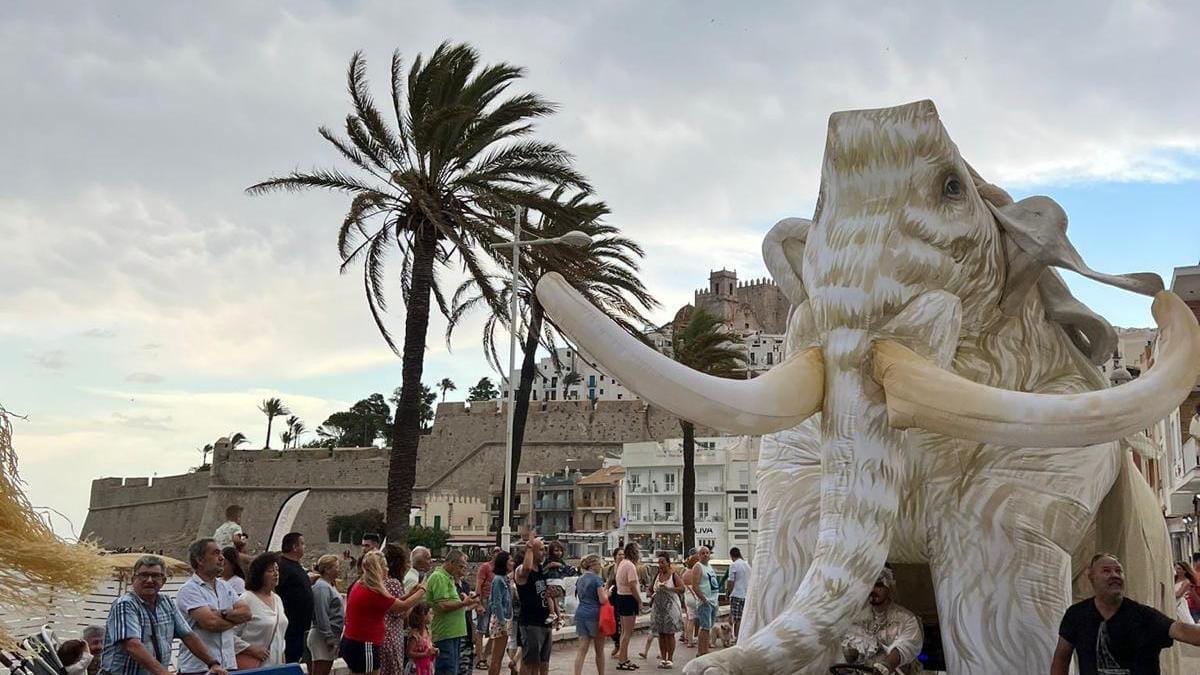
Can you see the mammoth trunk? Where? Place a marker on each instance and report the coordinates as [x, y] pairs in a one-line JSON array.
[[860, 469]]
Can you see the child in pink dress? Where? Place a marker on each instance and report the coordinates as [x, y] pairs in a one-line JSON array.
[[420, 645]]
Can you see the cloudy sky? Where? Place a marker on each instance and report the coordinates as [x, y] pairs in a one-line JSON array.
[[147, 304]]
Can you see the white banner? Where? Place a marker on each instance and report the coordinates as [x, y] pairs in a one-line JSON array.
[[286, 519]]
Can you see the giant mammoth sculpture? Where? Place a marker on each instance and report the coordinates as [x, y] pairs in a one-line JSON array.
[[939, 405]]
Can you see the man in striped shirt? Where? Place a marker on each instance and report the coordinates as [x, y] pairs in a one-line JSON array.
[[141, 625]]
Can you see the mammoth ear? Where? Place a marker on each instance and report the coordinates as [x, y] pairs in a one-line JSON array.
[[1090, 332], [1035, 232], [783, 254], [1038, 227]]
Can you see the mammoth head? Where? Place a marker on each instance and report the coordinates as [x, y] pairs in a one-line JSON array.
[[902, 218]]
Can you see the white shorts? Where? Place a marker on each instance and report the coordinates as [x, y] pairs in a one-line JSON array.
[[691, 602], [320, 650]]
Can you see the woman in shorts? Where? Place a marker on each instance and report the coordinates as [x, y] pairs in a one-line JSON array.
[[627, 603], [589, 588]]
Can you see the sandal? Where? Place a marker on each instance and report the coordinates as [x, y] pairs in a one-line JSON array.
[[481, 665], [627, 665]]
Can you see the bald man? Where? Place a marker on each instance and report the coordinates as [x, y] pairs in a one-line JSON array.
[[421, 561], [1110, 633]]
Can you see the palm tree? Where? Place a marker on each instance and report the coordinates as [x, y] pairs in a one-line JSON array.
[[272, 408], [605, 272], [436, 189], [297, 428], [285, 437], [206, 451], [446, 385], [236, 439], [703, 345], [570, 380]]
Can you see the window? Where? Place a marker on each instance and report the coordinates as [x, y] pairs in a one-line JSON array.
[[534, 394], [634, 482], [591, 380], [770, 358], [754, 512], [470, 522], [702, 510], [601, 392], [591, 394], [669, 482], [417, 521], [741, 498], [669, 508], [741, 513], [753, 358], [710, 543], [618, 397], [553, 394], [437, 522], [635, 510]]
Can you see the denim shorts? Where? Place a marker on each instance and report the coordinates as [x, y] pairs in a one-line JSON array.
[[706, 615], [587, 628]]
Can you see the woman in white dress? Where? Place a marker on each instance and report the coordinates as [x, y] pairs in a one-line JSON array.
[[259, 642]]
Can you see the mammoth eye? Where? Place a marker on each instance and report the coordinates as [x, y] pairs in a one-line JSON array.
[[952, 188]]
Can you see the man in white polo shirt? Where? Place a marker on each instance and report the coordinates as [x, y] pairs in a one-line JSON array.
[[211, 608]]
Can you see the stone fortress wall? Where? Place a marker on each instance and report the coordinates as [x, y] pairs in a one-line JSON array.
[[464, 452]]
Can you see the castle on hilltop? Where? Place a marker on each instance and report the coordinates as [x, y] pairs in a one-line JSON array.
[[755, 306]]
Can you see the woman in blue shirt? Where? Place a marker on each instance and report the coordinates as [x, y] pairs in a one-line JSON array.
[[591, 592], [499, 610]]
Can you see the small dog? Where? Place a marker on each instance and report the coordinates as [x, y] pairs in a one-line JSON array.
[[722, 633]]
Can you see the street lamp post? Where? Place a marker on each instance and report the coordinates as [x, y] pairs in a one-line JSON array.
[[572, 238]]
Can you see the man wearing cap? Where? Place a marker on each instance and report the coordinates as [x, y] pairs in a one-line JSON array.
[[887, 637]]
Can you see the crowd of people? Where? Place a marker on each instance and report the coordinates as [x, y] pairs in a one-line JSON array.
[[401, 615]]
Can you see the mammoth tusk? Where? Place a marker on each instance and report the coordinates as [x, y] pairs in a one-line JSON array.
[[780, 398], [921, 395]]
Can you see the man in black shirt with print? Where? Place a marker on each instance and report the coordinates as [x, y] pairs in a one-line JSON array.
[[1113, 635]]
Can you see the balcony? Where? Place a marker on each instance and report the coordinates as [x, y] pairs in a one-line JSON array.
[[712, 489], [709, 519]]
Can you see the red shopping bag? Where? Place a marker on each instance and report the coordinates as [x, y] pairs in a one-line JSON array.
[[608, 620]]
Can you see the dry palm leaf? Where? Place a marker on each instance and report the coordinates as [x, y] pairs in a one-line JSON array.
[[34, 562]]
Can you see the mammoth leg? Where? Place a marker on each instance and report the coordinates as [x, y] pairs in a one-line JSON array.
[[789, 506], [1001, 524], [1000, 597]]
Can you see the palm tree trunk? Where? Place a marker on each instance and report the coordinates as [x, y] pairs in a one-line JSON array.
[[406, 428], [270, 418], [689, 484], [524, 387]]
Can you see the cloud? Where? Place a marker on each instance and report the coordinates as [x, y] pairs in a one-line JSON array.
[[54, 359], [144, 378], [99, 333]]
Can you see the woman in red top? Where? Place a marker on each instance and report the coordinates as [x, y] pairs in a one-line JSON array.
[[366, 606]]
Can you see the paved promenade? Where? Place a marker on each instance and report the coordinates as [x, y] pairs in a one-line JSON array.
[[562, 662]]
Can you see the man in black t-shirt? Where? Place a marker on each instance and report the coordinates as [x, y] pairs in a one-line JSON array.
[[536, 638], [295, 589], [1111, 634]]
